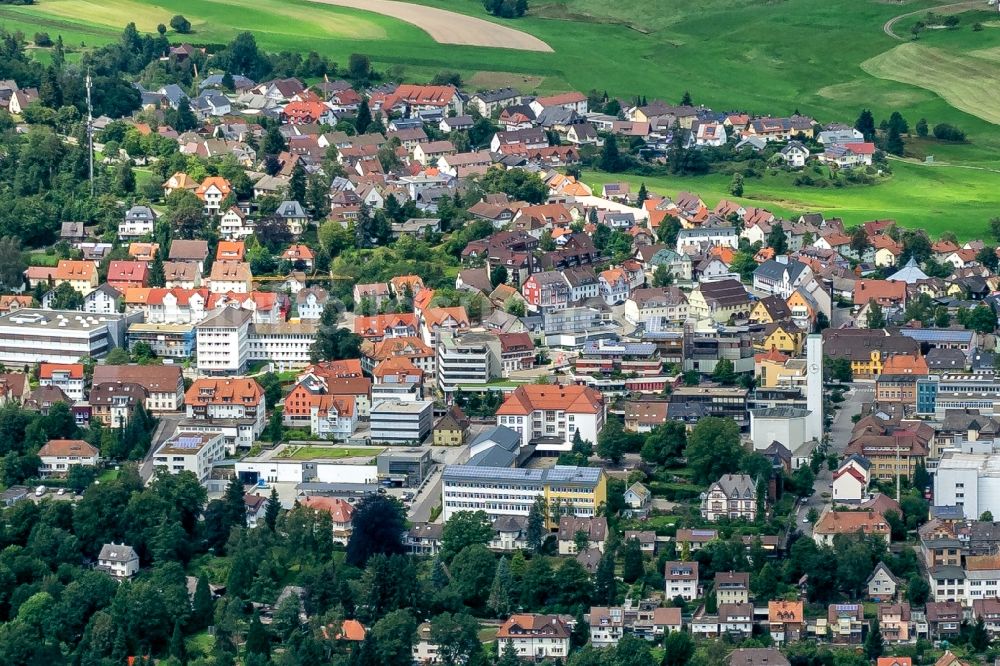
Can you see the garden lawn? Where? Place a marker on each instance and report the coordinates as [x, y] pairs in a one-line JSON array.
[[936, 198], [330, 452]]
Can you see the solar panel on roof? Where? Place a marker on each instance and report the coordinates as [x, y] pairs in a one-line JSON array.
[[186, 443]]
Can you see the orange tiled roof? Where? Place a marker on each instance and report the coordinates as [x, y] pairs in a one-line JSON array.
[[75, 370], [224, 391], [573, 398], [784, 611]]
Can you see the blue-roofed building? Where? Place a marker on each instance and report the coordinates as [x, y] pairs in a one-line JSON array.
[[510, 491]]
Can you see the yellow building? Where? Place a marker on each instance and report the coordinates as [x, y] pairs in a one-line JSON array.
[[775, 370], [81, 275], [450, 430], [783, 336], [584, 498]]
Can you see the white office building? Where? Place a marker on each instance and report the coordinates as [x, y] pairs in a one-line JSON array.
[[31, 336], [472, 359], [401, 422]]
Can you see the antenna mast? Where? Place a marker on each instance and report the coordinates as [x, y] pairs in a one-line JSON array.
[[90, 133]]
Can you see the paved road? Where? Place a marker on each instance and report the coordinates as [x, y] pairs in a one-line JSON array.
[[428, 495], [950, 8], [166, 428], [839, 436]]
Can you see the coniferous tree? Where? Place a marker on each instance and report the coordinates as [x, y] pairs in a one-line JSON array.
[[272, 510], [605, 583], [202, 605], [177, 649], [297, 183], [500, 592], [866, 125], [874, 643], [156, 275], [258, 641], [535, 532], [364, 117], [236, 512]]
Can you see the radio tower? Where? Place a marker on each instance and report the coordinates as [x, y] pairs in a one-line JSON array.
[[90, 134]]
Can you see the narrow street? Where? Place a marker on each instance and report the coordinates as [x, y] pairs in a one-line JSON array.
[[840, 435]]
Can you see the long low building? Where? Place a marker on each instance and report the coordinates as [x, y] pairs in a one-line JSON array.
[[29, 336], [508, 491]]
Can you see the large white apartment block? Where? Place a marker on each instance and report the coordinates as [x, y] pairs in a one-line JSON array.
[[222, 342], [472, 359], [970, 480], [190, 452], [553, 414]]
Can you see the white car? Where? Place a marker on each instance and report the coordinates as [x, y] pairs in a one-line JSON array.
[[806, 519]]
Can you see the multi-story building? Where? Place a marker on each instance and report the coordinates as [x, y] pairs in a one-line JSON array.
[[845, 623], [468, 361], [785, 620], [535, 637], [781, 277], [722, 301], [505, 491], [175, 341], [944, 619], [68, 377], [733, 496], [223, 342], [895, 622], [81, 275], [112, 403], [401, 422], [164, 384], [657, 309], [681, 580], [118, 560], [286, 345], [609, 356], [866, 349], [546, 291], [59, 336], [238, 400], [190, 452], [723, 401], [732, 587], [59, 455], [898, 381], [553, 414], [832, 523], [939, 393], [645, 619]]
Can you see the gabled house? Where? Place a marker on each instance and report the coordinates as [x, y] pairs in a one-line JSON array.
[[733, 496], [882, 585]]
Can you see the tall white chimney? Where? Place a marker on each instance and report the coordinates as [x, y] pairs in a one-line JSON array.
[[814, 387]]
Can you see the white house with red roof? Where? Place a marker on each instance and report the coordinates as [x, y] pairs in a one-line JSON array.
[[67, 376], [553, 414], [850, 481]]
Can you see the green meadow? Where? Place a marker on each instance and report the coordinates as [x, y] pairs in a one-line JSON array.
[[826, 59], [934, 198]]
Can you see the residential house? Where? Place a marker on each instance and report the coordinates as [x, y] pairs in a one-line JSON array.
[[733, 496], [119, 560], [535, 636], [781, 277], [681, 580], [832, 523], [139, 221], [638, 500], [785, 620], [882, 585], [895, 622], [59, 455], [732, 587], [571, 527], [67, 376]]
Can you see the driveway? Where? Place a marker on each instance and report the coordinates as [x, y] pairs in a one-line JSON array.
[[428, 494], [166, 428]]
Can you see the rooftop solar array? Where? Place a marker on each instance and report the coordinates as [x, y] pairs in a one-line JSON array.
[[185, 443]]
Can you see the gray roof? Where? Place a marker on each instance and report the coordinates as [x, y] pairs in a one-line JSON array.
[[948, 572], [290, 209], [941, 358], [757, 657], [140, 213], [562, 474], [174, 93], [910, 273], [947, 512], [497, 95], [239, 81], [774, 270], [494, 456], [500, 436], [117, 553], [736, 485]]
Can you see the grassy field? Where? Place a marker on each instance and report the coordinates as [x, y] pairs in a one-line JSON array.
[[935, 198], [770, 56], [329, 452]]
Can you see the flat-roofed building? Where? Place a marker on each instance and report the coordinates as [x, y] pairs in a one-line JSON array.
[[190, 452], [401, 422], [29, 336], [509, 491]]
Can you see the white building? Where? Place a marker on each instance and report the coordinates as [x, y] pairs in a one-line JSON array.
[[781, 277], [733, 496], [467, 359], [703, 238], [222, 342], [535, 637], [59, 455], [286, 345], [334, 417], [68, 377], [311, 302], [59, 336], [190, 452], [230, 401], [555, 413], [401, 422], [969, 480], [139, 221], [778, 424], [681, 580], [850, 481], [119, 560], [658, 309]]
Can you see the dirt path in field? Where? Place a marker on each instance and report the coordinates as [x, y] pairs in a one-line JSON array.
[[952, 8], [448, 27]]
